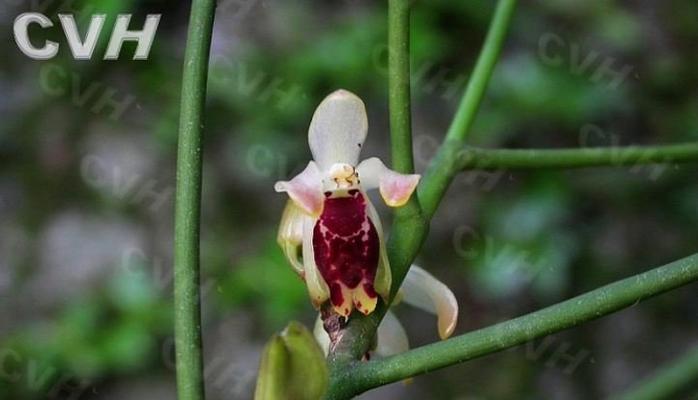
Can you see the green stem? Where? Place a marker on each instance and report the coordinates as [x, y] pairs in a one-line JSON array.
[[474, 158], [572, 312], [399, 85], [188, 343], [454, 157], [670, 382], [482, 72], [409, 227], [439, 176]]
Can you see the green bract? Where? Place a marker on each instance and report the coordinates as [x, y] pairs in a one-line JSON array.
[[293, 367]]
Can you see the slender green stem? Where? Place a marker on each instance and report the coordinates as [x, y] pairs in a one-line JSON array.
[[188, 343], [439, 174], [482, 72], [572, 312], [454, 157], [405, 241], [671, 382], [399, 85], [409, 228], [474, 158]]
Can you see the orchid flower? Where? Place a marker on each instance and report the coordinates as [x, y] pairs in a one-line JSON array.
[[330, 232], [419, 289]]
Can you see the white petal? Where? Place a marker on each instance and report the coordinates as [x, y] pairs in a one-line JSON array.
[[395, 188], [323, 339], [422, 290], [305, 189], [338, 130], [392, 338], [317, 287], [290, 235]]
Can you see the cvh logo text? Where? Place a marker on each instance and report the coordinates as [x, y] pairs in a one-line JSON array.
[[83, 48]]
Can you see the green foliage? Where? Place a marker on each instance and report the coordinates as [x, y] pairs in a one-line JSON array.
[[526, 245], [112, 330], [264, 283]]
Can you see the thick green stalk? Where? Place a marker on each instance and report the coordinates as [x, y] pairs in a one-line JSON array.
[[399, 85], [474, 158], [188, 343], [439, 176], [671, 382], [409, 228], [572, 312]]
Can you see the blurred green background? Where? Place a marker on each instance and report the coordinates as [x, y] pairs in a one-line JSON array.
[[87, 161]]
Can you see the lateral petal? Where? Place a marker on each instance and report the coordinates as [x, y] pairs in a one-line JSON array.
[[395, 188], [338, 130], [391, 337], [290, 235], [305, 189], [420, 289]]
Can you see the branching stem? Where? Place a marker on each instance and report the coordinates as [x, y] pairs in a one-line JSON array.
[[488, 159], [569, 313], [483, 70], [440, 172]]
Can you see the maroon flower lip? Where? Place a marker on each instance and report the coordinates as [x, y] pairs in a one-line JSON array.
[[347, 249]]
